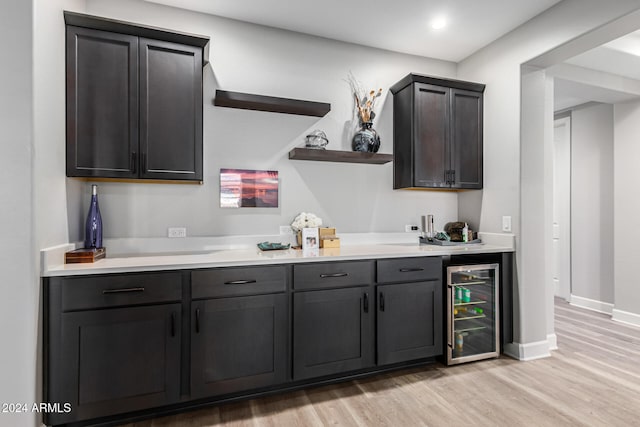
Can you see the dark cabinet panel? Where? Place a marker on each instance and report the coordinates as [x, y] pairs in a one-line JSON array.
[[134, 104], [238, 344], [431, 155], [238, 281], [170, 110], [409, 269], [332, 331], [117, 360], [324, 275], [102, 103], [466, 138], [409, 321], [437, 133]]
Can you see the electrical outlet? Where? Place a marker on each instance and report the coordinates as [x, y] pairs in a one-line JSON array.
[[409, 228], [506, 223], [286, 229], [177, 232]]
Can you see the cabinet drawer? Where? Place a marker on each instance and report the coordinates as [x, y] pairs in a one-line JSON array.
[[409, 269], [332, 275], [225, 282], [117, 290]]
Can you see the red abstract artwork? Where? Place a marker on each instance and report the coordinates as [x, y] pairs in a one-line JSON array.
[[242, 188]]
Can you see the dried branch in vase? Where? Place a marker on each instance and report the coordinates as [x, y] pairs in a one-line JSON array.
[[364, 102]]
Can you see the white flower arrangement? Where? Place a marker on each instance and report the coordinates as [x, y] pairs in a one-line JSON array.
[[305, 220]]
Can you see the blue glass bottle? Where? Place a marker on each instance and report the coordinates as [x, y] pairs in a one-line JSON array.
[[93, 227]]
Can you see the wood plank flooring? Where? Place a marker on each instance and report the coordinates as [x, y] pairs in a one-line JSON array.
[[593, 379]]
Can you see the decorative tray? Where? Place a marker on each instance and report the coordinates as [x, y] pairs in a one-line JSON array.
[[428, 241], [268, 246]]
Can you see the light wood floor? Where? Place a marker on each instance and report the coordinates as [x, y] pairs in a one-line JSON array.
[[593, 379]]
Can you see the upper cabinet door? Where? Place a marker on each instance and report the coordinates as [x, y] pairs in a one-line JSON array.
[[431, 149], [437, 133], [102, 103], [170, 110], [466, 139]]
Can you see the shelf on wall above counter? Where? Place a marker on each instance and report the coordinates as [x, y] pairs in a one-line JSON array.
[[248, 101], [301, 153]]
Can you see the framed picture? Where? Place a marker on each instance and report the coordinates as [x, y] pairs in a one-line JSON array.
[[246, 188], [310, 238]]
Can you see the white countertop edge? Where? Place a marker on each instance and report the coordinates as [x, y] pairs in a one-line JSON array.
[[253, 256]]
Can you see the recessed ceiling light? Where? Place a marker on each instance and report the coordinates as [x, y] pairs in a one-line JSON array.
[[438, 23]]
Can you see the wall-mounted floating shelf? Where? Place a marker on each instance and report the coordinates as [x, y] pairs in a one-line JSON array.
[[339, 156], [272, 104]]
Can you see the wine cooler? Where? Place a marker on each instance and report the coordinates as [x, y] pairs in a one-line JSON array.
[[472, 313]]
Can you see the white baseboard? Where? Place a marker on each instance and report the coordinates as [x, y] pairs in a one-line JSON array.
[[626, 317], [591, 304], [528, 351]]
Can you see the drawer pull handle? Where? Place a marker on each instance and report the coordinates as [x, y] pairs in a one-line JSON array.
[[239, 282], [197, 321], [409, 270], [123, 290], [327, 276]]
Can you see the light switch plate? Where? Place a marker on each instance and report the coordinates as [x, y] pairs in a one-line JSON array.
[[506, 223]]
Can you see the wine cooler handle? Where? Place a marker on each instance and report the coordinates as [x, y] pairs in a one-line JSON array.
[[365, 302], [381, 301]]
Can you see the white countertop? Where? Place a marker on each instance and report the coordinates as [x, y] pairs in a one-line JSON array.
[[53, 258]]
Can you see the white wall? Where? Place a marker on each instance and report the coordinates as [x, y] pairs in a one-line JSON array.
[[498, 66], [262, 60], [19, 302], [33, 213], [626, 207], [592, 221]]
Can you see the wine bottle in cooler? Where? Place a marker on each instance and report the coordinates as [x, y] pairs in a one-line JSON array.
[[93, 227]]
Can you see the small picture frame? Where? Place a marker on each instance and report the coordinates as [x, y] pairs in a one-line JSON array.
[[310, 238]]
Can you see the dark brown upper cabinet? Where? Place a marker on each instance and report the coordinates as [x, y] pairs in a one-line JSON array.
[[134, 101], [437, 133]]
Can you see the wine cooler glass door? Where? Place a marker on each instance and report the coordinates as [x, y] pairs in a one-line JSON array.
[[472, 313]]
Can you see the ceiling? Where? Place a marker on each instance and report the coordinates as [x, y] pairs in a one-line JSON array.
[[399, 25], [619, 57], [404, 26]]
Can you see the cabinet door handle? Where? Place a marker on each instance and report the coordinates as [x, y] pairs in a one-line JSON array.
[[326, 276], [239, 282], [133, 166], [409, 270], [173, 324], [365, 302], [122, 290], [381, 301], [453, 176], [144, 163], [197, 320]]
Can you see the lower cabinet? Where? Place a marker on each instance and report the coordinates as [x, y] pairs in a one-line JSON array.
[[238, 344], [118, 345], [332, 331], [117, 360], [409, 321]]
